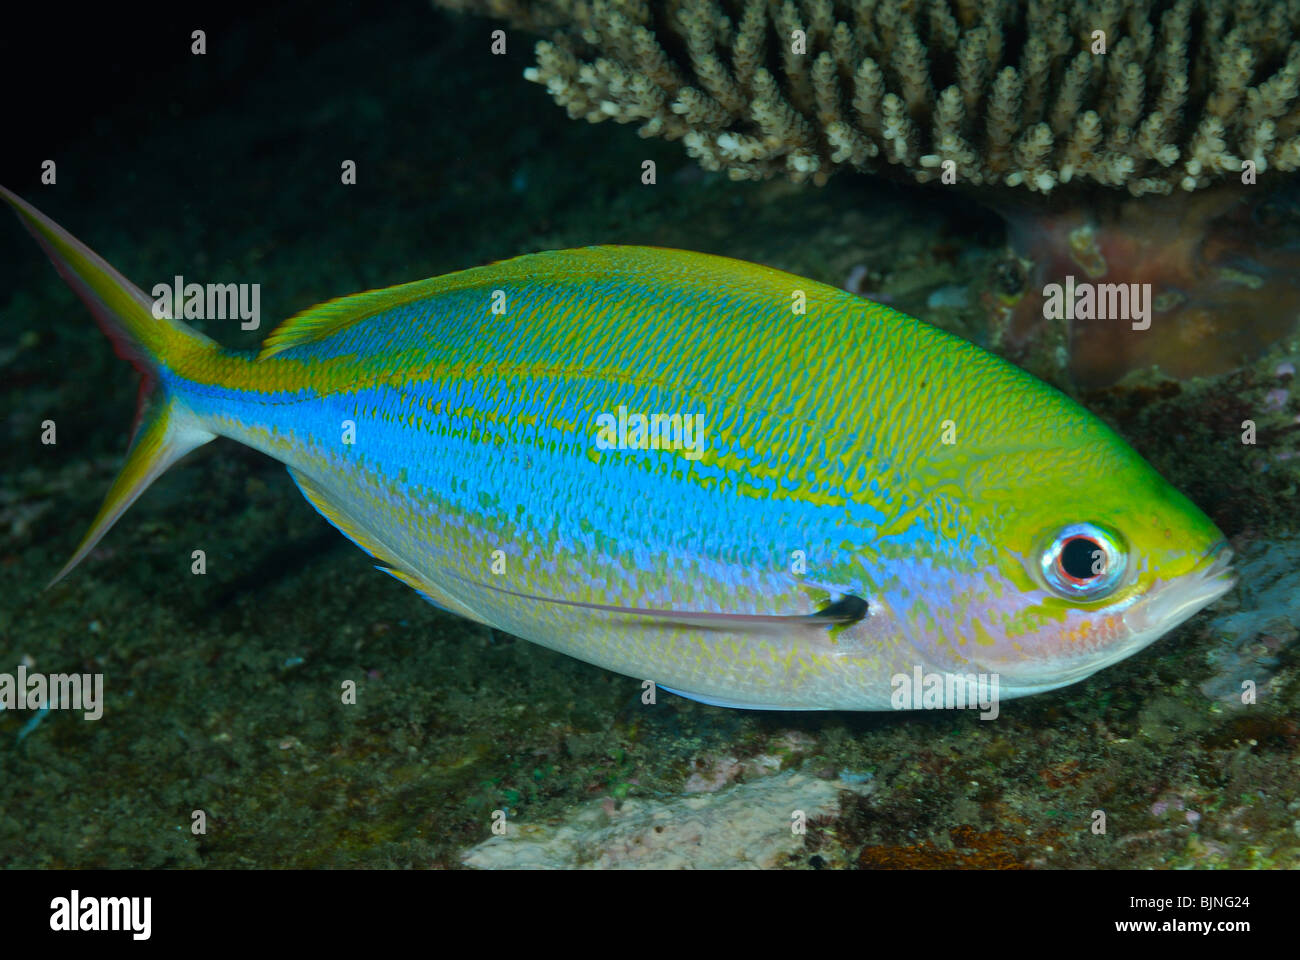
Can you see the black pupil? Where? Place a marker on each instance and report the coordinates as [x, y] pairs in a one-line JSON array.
[[1077, 558]]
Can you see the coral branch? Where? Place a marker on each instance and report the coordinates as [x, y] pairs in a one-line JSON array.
[[1012, 92]]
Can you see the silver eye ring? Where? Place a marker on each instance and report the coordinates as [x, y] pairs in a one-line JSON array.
[[1084, 561]]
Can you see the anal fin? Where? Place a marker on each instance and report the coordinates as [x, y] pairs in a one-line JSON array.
[[328, 507], [722, 702], [431, 593]]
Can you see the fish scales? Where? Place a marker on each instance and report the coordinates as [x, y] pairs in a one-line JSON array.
[[497, 407]]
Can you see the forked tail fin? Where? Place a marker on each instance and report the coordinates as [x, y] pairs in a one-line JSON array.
[[164, 429]]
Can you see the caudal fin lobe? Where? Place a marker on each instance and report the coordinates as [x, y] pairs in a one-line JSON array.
[[164, 429]]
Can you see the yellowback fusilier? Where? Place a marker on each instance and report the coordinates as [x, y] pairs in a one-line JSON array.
[[649, 460]]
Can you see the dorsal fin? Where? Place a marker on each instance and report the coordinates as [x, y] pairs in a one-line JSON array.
[[571, 266], [547, 266], [324, 319]]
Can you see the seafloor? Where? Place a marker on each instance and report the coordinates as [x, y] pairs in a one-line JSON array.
[[223, 689]]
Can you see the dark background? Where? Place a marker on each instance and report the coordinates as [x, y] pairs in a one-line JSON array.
[[124, 71]]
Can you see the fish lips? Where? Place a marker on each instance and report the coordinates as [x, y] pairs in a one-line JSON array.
[[1169, 605], [1146, 620]]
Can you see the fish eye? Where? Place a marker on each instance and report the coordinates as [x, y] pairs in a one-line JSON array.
[[1084, 562]]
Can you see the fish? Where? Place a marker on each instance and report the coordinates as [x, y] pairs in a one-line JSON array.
[[738, 485]]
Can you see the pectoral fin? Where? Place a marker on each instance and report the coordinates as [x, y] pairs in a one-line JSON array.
[[845, 611]]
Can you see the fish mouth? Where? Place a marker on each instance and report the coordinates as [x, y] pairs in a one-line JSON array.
[[1175, 602]]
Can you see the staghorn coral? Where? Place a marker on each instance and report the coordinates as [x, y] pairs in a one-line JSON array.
[[1010, 92]]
